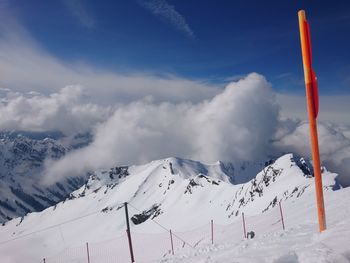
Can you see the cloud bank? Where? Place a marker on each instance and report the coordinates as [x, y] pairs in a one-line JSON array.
[[237, 124], [333, 108], [64, 111], [243, 122], [334, 142]]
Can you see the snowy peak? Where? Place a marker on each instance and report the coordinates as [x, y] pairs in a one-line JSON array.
[[165, 172], [286, 178], [162, 187]]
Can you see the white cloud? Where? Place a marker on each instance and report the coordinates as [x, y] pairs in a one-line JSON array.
[[78, 10], [333, 109], [167, 12], [334, 143], [237, 124], [64, 111]]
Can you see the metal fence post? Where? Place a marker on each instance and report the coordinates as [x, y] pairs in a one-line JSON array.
[[128, 232], [244, 229], [172, 244], [212, 231], [88, 252], [281, 214]]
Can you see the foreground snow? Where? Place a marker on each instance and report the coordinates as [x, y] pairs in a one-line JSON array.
[[300, 242]]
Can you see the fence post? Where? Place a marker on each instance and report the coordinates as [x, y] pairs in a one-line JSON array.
[[282, 220], [88, 252], [244, 230], [212, 231], [44, 260], [172, 244], [128, 232]]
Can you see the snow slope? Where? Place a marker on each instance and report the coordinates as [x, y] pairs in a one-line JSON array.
[[185, 195], [300, 242]]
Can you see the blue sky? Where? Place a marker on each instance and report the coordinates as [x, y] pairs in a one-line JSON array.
[[211, 40], [175, 71]]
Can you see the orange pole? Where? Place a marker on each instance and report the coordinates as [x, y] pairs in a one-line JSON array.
[[312, 114]]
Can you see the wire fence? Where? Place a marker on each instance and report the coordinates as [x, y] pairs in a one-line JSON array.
[[151, 247], [109, 251]]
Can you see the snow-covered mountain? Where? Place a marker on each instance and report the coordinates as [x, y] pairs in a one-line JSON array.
[[179, 194], [22, 156]]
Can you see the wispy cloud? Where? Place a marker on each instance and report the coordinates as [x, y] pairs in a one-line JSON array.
[[290, 77], [78, 10], [25, 66], [167, 12]]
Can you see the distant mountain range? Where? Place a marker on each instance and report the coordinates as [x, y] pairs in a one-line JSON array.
[[22, 155]]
